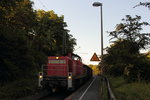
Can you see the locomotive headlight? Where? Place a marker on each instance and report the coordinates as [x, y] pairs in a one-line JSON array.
[[69, 77], [40, 76]]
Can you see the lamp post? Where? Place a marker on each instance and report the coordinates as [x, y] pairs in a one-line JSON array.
[[97, 4]]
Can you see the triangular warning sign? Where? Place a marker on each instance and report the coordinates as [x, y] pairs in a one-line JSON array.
[[94, 57]]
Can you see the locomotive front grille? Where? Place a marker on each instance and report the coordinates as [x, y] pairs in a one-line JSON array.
[[55, 71]]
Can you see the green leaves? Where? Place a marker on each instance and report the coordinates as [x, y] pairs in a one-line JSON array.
[[130, 30], [124, 56], [51, 30], [146, 4]]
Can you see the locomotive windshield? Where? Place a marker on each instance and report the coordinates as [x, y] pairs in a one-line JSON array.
[[57, 62]]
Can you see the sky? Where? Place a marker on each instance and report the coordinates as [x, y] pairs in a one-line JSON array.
[[84, 22]]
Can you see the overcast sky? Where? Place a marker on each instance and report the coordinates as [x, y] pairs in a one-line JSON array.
[[83, 20]]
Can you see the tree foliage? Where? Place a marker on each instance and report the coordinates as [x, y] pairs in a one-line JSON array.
[[16, 56], [50, 33], [146, 4], [95, 69], [123, 56], [130, 30]]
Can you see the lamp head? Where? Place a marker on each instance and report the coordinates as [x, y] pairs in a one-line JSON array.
[[96, 4]]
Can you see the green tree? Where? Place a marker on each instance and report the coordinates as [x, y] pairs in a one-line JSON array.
[[50, 33], [130, 30], [146, 4], [16, 56], [123, 56], [17, 14], [117, 57]]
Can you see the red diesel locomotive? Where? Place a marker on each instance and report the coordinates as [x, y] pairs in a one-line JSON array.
[[64, 72]]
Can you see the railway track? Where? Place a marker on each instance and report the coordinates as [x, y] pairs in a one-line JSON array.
[[62, 94], [59, 95]]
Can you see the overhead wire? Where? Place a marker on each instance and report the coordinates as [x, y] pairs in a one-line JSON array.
[[42, 4]]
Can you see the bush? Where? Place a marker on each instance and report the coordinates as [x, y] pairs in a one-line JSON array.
[[138, 70], [18, 89]]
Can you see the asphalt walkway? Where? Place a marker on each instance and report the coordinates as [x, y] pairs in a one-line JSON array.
[[90, 91]]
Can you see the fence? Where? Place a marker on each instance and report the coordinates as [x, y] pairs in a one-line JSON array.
[[106, 91]]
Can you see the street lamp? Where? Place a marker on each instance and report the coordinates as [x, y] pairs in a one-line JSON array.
[[97, 4]]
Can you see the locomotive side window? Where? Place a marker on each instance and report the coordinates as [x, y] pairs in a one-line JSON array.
[[57, 62]]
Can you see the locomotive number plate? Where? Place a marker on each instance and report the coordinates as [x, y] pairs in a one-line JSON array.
[[57, 61]]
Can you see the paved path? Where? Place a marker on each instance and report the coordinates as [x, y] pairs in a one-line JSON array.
[[90, 91]]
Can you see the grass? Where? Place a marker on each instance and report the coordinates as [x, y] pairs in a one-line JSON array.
[[129, 91]]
